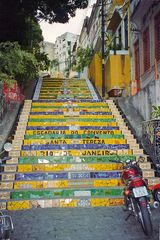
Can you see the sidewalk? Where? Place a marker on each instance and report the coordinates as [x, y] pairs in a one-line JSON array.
[[79, 224]]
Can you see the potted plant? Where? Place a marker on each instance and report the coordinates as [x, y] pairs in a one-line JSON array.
[[156, 112]]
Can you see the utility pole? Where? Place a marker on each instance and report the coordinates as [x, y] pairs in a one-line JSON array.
[[69, 55], [103, 48]]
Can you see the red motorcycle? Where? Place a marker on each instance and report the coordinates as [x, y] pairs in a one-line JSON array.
[[136, 197]]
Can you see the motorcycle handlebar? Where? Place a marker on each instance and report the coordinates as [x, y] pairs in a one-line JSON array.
[[116, 161]]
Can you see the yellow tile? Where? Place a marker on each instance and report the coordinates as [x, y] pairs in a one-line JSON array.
[[19, 205], [38, 168], [99, 202], [25, 168], [25, 185], [68, 202], [116, 202], [107, 183]]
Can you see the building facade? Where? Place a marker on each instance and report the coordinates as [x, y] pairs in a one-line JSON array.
[[49, 48], [145, 55], [63, 51], [116, 47]]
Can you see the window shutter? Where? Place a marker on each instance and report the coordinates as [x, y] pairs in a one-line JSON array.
[[157, 37], [146, 50], [137, 64]]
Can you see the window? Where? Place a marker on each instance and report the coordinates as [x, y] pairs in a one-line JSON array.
[[157, 37], [146, 49], [120, 38], [137, 64]]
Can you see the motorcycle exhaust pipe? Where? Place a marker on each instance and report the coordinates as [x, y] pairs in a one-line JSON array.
[[156, 204]]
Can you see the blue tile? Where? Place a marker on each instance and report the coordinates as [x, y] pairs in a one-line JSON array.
[[74, 146]]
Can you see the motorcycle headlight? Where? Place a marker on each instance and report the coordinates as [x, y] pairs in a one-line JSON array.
[[134, 162], [128, 161]]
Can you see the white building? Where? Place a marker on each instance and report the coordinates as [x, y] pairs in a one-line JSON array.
[[63, 50], [83, 38], [49, 48]]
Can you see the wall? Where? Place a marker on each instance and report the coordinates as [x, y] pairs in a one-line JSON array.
[[151, 139], [84, 74], [95, 72], [148, 96], [117, 72]]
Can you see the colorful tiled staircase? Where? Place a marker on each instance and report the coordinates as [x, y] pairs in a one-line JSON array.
[[62, 149]]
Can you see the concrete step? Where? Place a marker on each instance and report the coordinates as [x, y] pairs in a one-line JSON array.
[[62, 151], [70, 159], [52, 167], [43, 184], [90, 202], [27, 194]]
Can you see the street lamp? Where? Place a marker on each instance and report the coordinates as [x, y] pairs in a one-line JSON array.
[[103, 47], [103, 15]]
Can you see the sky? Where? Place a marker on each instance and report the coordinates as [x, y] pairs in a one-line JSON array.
[[52, 31]]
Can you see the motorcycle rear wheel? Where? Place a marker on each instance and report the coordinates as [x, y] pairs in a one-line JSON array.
[[144, 218]]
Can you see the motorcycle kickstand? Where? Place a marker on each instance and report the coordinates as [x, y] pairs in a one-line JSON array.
[[126, 219]]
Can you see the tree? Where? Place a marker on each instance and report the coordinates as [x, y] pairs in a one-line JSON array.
[[43, 60], [20, 65], [17, 64], [54, 64], [32, 34], [13, 15], [84, 56]]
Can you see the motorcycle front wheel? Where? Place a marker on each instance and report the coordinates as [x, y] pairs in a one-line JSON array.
[[144, 217], [7, 235], [156, 195]]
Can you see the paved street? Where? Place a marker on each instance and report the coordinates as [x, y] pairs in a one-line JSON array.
[[79, 224]]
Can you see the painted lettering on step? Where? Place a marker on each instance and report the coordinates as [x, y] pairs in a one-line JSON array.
[[98, 132], [42, 132], [96, 153], [93, 141], [53, 153], [74, 132]]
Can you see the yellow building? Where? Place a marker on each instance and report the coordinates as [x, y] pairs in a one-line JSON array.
[[117, 59], [95, 72], [117, 74]]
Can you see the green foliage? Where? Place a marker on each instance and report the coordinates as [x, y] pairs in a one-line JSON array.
[[43, 60], [54, 63], [16, 64], [32, 34], [83, 57], [19, 18], [156, 112], [29, 68], [6, 79]]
